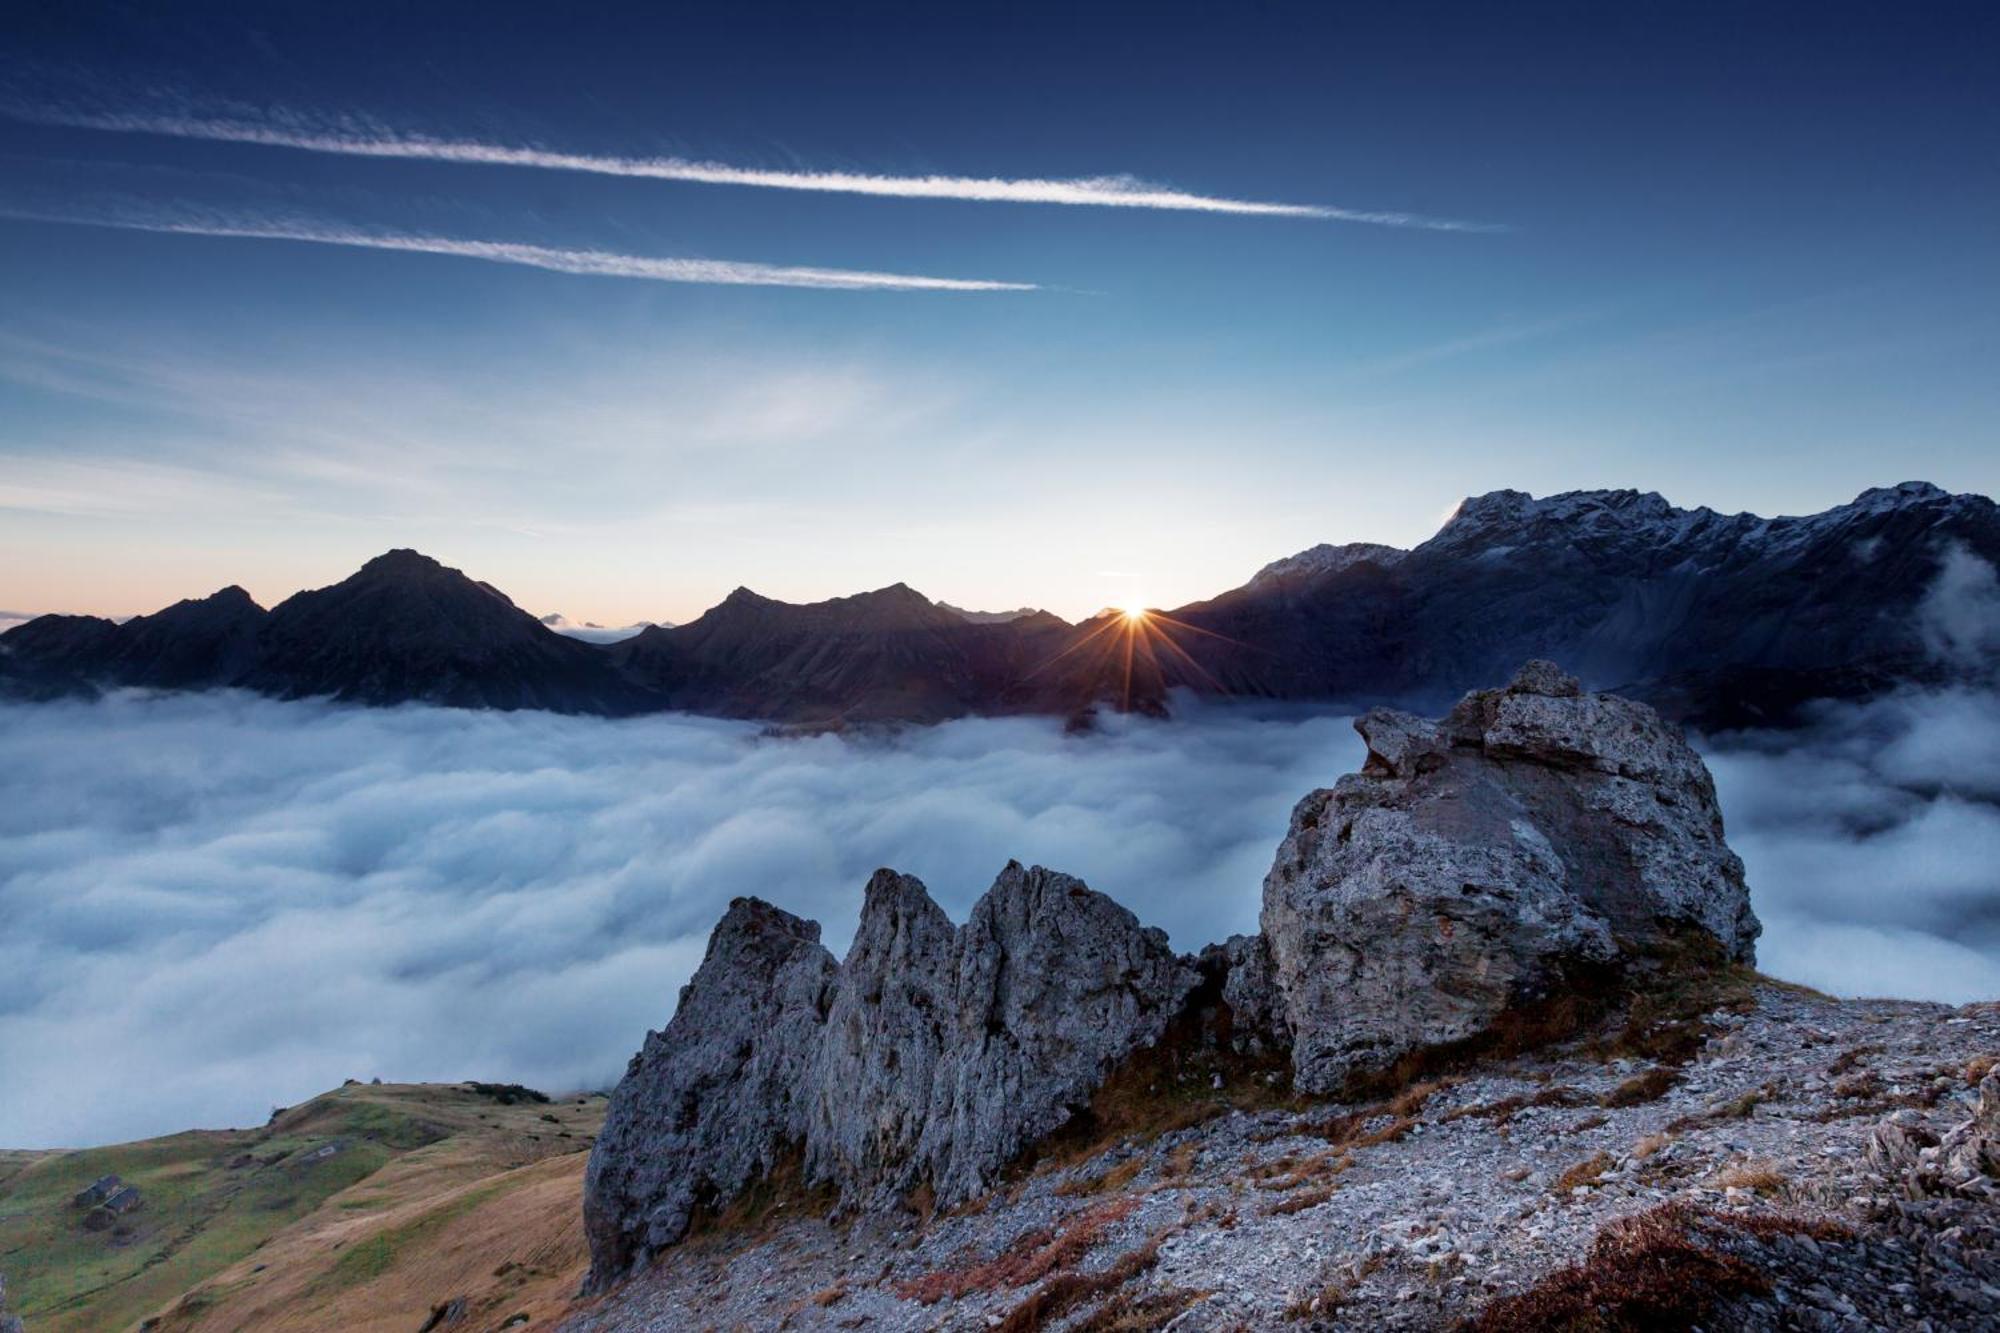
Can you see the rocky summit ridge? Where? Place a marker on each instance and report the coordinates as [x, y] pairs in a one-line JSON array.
[[1537, 861], [930, 1057]]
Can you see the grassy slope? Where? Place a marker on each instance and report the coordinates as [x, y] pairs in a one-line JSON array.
[[435, 1192]]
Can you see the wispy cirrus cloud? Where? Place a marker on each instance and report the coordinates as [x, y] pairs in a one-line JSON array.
[[593, 263], [363, 137]]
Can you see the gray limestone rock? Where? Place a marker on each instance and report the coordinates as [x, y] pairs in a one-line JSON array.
[[716, 1100], [887, 1037], [933, 1055], [1056, 984], [1250, 990], [1473, 862]]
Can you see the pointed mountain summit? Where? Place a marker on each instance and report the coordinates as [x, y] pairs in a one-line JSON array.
[[406, 628], [193, 644]]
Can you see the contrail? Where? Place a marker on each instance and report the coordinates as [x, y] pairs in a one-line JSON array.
[[597, 263], [1090, 191]]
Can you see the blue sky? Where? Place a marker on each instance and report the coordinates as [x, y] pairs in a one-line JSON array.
[[1741, 255]]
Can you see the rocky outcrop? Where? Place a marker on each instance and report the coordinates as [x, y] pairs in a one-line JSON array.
[[932, 1056], [886, 1053], [1965, 1160], [1477, 863], [716, 1100], [1055, 984]]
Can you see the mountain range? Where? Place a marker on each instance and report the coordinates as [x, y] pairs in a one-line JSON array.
[[1717, 619]]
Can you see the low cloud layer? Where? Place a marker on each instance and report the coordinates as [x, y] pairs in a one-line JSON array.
[[1872, 840], [217, 903]]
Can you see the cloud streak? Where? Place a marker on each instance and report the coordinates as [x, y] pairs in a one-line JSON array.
[[359, 138], [589, 263]]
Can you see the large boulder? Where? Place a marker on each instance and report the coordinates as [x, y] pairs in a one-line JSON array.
[[1476, 864], [931, 1057], [716, 1100]]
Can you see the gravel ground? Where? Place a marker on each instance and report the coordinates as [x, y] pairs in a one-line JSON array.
[[1360, 1217]]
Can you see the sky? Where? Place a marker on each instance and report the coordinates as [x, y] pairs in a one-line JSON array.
[[619, 308]]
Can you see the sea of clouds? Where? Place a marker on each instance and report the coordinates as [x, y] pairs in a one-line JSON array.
[[211, 904]]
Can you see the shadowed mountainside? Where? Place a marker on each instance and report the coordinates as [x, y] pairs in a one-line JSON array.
[[1721, 620]]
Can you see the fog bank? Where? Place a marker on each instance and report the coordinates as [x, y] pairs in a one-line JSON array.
[[215, 903]]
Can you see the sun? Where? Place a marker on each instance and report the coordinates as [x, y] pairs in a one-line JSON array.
[[1133, 614]]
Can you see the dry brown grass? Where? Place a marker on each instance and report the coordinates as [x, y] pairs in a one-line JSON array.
[[1743, 1107], [1030, 1257], [1760, 1177], [1350, 1129], [1644, 1273], [1067, 1290], [1978, 1067], [1503, 1111], [1585, 1172], [1105, 1182], [1298, 1203], [1650, 1086], [483, 1212], [1180, 1161], [1862, 1083], [1142, 1313], [1290, 1172], [1322, 1304], [1649, 1145]]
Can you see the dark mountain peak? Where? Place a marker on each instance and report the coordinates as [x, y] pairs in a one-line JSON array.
[[193, 644], [404, 568], [53, 636], [402, 562], [407, 628], [1902, 493], [741, 597], [1016, 616], [227, 604], [896, 594], [1327, 558]]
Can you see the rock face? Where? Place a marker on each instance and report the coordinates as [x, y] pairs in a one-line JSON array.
[[1476, 863], [933, 1055], [716, 1100], [1055, 983]]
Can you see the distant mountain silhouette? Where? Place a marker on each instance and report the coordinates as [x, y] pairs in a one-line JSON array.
[[405, 628], [888, 655], [1722, 619], [1718, 619]]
